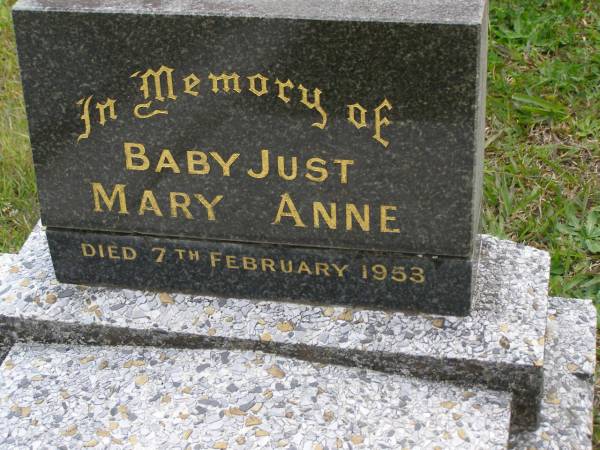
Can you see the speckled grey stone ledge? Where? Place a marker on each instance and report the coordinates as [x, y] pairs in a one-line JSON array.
[[567, 405], [97, 397], [5, 343], [499, 345]]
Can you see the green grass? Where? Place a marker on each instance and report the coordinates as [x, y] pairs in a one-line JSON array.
[[542, 173], [18, 197]]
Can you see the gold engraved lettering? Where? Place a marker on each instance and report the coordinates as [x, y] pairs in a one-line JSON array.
[[385, 218], [167, 161], [316, 104], [180, 203], [225, 78], [193, 255], [352, 213], [288, 168], [263, 85], [322, 267], [149, 203], [281, 168], [332, 214], [196, 158], [209, 205], [117, 193], [286, 266], [399, 274], [282, 87], [85, 116], [417, 275], [112, 252], [88, 250], [364, 272], [139, 155], [352, 109], [163, 75], [379, 272], [160, 257], [303, 268], [137, 111], [287, 203], [158, 83], [180, 253], [110, 104], [215, 258], [264, 166], [330, 217], [267, 263], [230, 262], [129, 254], [344, 163], [379, 122], [316, 165], [249, 263], [180, 200], [340, 270], [189, 83], [225, 165]]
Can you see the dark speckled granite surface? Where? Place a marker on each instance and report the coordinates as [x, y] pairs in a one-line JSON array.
[[257, 271], [401, 174]]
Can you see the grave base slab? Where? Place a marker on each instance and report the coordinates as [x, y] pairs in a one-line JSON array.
[[499, 345], [104, 396], [167, 398]]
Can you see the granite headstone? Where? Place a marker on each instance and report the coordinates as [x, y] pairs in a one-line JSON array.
[[315, 151]]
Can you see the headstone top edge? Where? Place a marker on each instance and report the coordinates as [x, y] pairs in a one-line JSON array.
[[451, 12]]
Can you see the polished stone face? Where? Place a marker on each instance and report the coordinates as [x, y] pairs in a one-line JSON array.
[[370, 120], [260, 122]]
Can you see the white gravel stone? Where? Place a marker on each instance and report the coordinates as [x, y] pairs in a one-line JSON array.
[[567, 405], [72, 395]]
